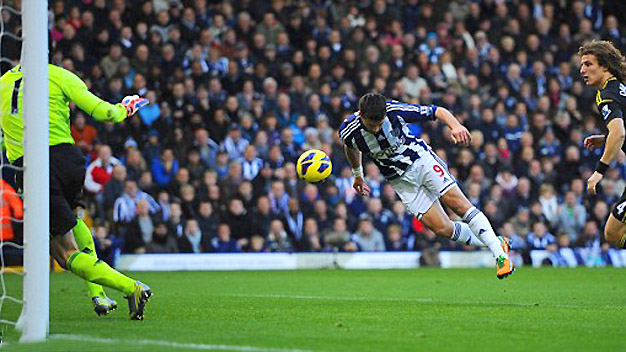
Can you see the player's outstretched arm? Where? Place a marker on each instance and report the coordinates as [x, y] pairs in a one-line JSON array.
[[76, 90], [460, 134], [614, 141], [354, 158]]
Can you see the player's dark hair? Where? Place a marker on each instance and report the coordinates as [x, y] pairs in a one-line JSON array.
[[608, 56], [372, 106]]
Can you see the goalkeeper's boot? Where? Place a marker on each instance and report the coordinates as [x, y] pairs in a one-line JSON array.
[[137, 300], [103, 305], [504, 265]]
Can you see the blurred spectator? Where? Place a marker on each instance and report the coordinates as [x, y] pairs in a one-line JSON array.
[[162, 241], [395, 241], [99, 171], [564, 255], [549, 203], [262, 216], [339, 235], [381, 217], [257, 244], [139, 231], [115, 187], [108, 246], [193, 240], [164, 168], [206, 146], [234, 145], [224, 243], [250, 163], [312, 236], [368, 237], [540, 238], [83, 133], [238, 221], [11, 211], [277, 238], [572, 216], [125, 207], [207, 219]]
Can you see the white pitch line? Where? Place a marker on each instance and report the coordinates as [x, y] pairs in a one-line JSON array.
[[193, 346], [340, 298], [418, 300]]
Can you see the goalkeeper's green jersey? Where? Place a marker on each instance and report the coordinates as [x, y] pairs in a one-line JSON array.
[[63, 87]]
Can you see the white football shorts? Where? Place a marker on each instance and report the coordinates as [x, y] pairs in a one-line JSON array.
[[423, 183]]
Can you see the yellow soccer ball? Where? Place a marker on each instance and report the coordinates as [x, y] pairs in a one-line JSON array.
[[314, 166]]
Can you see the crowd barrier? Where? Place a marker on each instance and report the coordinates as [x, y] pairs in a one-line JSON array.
[[359, 260]]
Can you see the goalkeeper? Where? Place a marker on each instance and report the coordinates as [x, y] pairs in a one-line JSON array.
[[67, 176]]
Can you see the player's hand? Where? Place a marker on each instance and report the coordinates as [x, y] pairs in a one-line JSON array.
[[361, 187], [593, 181], [460, 135], [133, 103], [594, 141]]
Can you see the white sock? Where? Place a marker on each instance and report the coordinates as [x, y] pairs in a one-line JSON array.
[[481, 228], [463, 234]]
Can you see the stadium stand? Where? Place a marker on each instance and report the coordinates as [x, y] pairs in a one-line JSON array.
[[239, 89]]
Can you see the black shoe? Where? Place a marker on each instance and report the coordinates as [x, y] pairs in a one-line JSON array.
[[137, 300]]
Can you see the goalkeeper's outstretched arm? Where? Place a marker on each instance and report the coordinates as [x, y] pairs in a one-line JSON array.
[[76, 90]]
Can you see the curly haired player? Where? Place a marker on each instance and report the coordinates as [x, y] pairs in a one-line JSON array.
[[604, 67]]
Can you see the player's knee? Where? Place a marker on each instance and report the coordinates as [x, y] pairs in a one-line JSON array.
[[456, 201], [445, 230], [62, 249]]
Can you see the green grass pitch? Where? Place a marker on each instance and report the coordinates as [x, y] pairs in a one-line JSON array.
[[340, 310]]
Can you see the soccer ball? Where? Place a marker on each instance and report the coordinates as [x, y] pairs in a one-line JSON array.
[[314, 166]]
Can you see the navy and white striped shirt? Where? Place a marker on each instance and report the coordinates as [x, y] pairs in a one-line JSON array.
[[394, 148]]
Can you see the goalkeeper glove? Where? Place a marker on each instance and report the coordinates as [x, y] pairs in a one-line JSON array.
[[133, 103]]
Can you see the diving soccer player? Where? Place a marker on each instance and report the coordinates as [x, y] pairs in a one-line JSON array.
[[604, 67], [67, 176], [420, 178]]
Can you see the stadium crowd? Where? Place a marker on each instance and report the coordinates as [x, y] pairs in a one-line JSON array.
[[238, 89]]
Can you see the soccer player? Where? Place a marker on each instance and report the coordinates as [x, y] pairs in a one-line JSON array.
[[420, 178], [604, 67], [67, 176]]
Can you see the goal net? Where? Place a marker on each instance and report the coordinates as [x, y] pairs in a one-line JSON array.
[[24, 213]]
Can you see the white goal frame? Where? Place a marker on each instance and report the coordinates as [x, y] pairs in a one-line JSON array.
[[35, 312]]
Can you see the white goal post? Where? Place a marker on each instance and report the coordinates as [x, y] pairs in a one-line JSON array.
[[35, 314]]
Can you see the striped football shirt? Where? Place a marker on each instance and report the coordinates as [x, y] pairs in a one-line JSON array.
[[394, 148]]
